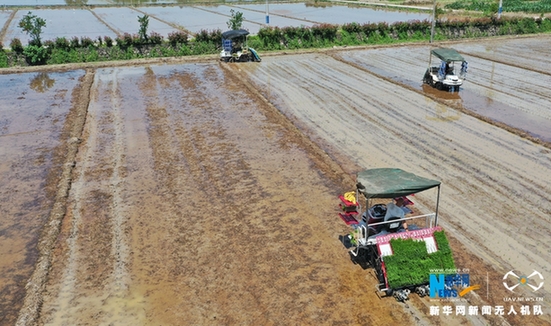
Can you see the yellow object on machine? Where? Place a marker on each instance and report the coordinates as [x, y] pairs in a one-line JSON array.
[[350, 196]]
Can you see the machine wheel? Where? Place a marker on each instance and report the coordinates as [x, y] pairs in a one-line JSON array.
[[439, 86], [427, 78]]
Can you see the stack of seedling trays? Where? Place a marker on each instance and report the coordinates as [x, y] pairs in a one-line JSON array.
[[413, 259]]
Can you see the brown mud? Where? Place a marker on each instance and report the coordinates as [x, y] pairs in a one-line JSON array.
[[206, 193]]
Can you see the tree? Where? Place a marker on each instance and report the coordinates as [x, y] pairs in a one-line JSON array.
[[236, 20], [144, 23], [32, 25]]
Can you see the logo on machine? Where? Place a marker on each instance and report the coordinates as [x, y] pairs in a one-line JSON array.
[[512, 280], [450, 285]]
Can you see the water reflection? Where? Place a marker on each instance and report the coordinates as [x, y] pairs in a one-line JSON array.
[[42, 82], [444, 95], [438, 111], [442, 113]]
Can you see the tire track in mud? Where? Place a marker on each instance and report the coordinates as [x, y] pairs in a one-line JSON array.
[[456, 162], [482, 168], [533, 185], [66, 290], [96, 245], [119, 250], [33, 302], [212, 164], [250, 244]]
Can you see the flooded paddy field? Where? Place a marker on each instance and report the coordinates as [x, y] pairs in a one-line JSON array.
[[207, 192], [35, 120], [513, 94], [124, 20], [165, 19], [60, 23]]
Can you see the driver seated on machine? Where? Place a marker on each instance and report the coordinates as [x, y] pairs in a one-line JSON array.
[[236, 47], [396, 210]]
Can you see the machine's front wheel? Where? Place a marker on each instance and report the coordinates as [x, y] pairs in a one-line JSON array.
[[427, 78]]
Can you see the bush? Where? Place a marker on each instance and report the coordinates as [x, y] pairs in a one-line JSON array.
[[16, 45], [178, 37], [59, 56], [202, 36], [155, 38], [3, 59], [352, 28], [35, 42], [137, 40], [86, 42], [271, 37], [216, 36], [75, 43], [108, 41], [35, 55], [49, 45], [166, 51], [184, 50], [325, 32], [126, 41], [369, 29], [100, 41], [62, 43], [90, 55], [383, 28], [202, 48], [545, 25], [119, 42]]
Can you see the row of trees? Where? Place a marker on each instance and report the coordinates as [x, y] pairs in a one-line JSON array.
[[63, 50]]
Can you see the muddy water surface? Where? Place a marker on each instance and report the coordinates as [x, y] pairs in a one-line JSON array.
[[495, 183], [512, 95], [194, 199], [33, 110]]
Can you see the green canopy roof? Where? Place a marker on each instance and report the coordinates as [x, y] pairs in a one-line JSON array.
[[234, 33], [391, 183], [447, 54]]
